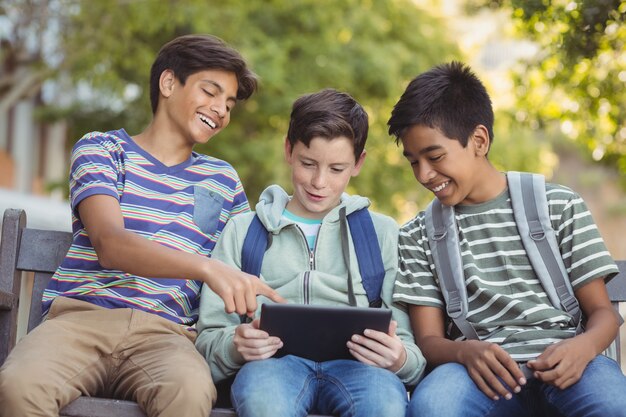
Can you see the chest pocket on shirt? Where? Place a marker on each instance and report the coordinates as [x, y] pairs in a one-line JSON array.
[[207, 209]]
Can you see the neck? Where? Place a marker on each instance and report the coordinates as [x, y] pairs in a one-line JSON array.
[[489, 183], [164, 144]]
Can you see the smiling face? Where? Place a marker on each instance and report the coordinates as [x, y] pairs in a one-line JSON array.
[[455, 175], [320, 173], [201, 107]]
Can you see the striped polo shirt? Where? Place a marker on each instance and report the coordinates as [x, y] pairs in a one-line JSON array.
[[507, 303], [184, 207]]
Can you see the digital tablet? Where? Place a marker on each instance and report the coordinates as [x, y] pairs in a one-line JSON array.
[[320, 333]]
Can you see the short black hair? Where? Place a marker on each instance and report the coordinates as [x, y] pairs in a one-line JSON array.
[[189, 54], [328, 114], [448, 97]]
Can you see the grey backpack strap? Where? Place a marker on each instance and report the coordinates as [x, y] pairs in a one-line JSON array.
[[530, 208], [443, 238]]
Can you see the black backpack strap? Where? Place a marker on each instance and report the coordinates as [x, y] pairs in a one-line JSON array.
[[443, 238]]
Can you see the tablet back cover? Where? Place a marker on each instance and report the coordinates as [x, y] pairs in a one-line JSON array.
[[320, 333]]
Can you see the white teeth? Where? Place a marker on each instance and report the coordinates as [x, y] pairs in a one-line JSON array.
[[208, 121], [441, 187]]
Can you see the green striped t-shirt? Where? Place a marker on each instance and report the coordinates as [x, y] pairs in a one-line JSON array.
[[507, 303]]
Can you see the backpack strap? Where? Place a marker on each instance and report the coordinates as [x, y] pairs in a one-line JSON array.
[[365, 243], [254, 246], [443, 237], [368, 254], [530, 209]]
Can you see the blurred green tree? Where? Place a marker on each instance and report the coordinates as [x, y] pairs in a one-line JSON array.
[[576, 83], [369, 48]]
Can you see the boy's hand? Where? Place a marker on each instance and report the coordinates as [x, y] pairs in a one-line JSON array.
[[384, 350], [238, 289], [562, 364], [492, 369], [254, 344]]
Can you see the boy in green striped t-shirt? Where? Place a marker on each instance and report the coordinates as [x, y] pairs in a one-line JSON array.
[[444, 121]]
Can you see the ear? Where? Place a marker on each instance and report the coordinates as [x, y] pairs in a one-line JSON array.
[[288, 150], [359, 164], [481, 140], [167, 81]]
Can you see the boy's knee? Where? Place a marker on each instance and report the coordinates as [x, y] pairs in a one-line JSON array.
[[187, 389], [257, 407], [392, 408], [22, 395]]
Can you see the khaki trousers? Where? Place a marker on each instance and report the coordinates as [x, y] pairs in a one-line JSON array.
[[84, 349]]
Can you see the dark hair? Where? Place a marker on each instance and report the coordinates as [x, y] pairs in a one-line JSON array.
[[328, 114], [189, 54], [448, 97]]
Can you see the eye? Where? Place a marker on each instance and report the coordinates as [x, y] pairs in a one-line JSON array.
[[306, 164], [337, 170], [209, 93], [435, 158]]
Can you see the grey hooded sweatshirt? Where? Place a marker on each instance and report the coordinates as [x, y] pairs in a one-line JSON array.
[[301, 276]]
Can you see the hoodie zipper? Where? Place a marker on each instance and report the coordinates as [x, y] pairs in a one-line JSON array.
[[307, 277], [307, 274]]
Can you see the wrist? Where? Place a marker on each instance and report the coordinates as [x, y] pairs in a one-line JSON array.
[[462, 348], [207, 270], [401, 361]]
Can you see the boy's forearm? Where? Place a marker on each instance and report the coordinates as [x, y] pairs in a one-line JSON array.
[[438, 350], [601, 329], [131, 253], [415, 365], [219, 351]]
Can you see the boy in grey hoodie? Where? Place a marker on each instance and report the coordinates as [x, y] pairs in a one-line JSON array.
[[324, 148]]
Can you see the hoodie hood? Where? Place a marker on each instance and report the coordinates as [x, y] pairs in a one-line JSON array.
[[274, 199]]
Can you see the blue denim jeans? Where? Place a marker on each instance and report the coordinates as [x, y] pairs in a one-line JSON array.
[[292, 386], [448, 391]]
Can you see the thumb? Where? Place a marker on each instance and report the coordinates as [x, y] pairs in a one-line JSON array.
[[393, 326]]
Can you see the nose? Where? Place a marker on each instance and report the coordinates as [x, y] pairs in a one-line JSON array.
[[424, 173], [319, 179], [219, 107]]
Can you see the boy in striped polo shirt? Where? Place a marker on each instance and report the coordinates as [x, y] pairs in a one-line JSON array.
[[444, 121], [147, 212]]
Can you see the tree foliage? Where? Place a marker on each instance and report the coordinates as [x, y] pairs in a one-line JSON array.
[[369, 48], [577, 79]]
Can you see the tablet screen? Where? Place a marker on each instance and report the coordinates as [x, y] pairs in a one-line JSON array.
[[320, 333]]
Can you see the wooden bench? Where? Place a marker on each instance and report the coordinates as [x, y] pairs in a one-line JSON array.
[[41, 251]]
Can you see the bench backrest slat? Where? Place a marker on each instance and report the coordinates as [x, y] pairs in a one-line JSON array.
[[42, 250], [39, 285]]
